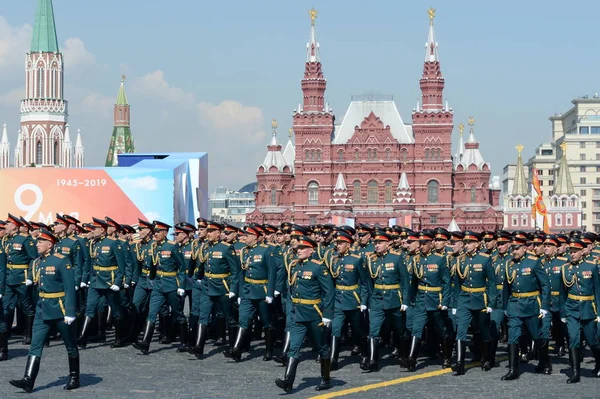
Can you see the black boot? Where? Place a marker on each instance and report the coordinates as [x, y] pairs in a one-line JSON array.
[[235, 352], [73, 382], [447, 352], [268, 345], [120, 339], [513, 363], [198, 348], [282, 359], [493, 350], [412, 356], [290, 375], [101, 337], [486, 362], [544, 365], [459, 367], [475, 347], [233, 334], [82, 339], [31, 371], [373, 363], [28, 329], [3, 346], [164, 328], [325, 375], [596, 353], [183, 338], [138, 323], [221, 325], [575, 366], [335, 353], [144, 346], [364, 352], [193, 333]]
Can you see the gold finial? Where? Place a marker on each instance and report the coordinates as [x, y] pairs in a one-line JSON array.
[[431, 13], [461, 128], [519, 148], [123, 78], [274, 123], [563, 147], [290, 132], [313, 15], [471, 121]]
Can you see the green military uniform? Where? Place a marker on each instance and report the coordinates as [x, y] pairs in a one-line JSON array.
[[3, 325], [498, 317], [142, 267], [553, 268]]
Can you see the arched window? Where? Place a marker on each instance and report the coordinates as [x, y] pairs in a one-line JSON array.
[[427, 154], [313, 193], [38, 153], [515, 220], [439, 153], [340, 155], [318, 155], [306, 152], [387, 153], [273, 196], [356, 192], [433, 188], [558, 219], [404, 155], [473, 194], [375, 154], [372, 193], [569, 219], [356, 154], [524, 220], [40, 82], [56, 153], [388, 192]]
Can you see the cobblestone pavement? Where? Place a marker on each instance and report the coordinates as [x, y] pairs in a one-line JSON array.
[[124, 373]]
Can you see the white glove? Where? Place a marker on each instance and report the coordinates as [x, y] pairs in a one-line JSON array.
[[403, 308], [76, 288], [199, 281], [83, 285], [564, 320], [363, 308], [180, 291], [269, 300], [0, 296], [115, 288], [444, 307], [505, 313], [488, 310], [597, 319], [231, 295], [543, 313], [326, 322], [453, 311], [133, 283], [277, 293], [125, 286], [69, 320], [28, 282]]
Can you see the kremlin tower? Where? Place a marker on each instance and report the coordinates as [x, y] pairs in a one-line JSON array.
[[121, 141]]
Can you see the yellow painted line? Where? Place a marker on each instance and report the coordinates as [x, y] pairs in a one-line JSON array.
[[397, 381]]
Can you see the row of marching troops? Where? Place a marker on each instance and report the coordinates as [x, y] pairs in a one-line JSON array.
[[297, 281]]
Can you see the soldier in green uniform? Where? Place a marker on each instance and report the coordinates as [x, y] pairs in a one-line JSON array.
[[56, 308], [526, 298], [351, 294], [184, 236], [20, 251], [311, 294], [200, 244], [168, 273], [256, 292], [431, 292], [218, 269], [106, 277], [3, 325], [75, 230], [388, 298], [490, 245], [580, 291], [499, 260], [474, 283]]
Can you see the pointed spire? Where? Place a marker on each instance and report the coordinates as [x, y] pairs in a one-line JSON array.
[[4, 134], [453, 226], [340, 192], [312, 47], [340, 184], [122, 97], [472, 155], [460, 150], [78, 143], [403, 184], [79, 158], [403, 192], [520, 183], [4, 149], [564, 184], [67, 138], [274, 156], [44, 39], [431, 47], [67, 149], [289, 153]]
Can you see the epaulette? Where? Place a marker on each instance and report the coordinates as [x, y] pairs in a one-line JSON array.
[[561, 258], [136, 241], [59, 256], [392, 251], [24, 234], [171, 242], [485, 255], [225, 243], [355, 256], [532, 257], [264, 246], [317, 261], [436, 254]]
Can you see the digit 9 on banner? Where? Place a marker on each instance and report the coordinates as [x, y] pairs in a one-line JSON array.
[[32, 208]]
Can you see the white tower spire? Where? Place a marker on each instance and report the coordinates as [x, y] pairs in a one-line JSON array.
[[4, 149], [79, 151]]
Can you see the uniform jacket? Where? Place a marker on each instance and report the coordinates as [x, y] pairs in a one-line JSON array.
[[258, 272], [71, 249], [348, 271], [553, 268], [20, 250], [169, 264], [190, 253], [218, 268], [580, 290], [108, 263], [499, 265], [526, 275], [389, 280], [433, 276], [310, 280], [143, 264], [474, 281], [56, 278]]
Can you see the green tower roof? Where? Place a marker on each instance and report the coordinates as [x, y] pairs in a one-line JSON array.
[[44, 32], [122, 97]]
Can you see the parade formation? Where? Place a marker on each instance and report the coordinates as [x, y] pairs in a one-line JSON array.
[[321, 286]]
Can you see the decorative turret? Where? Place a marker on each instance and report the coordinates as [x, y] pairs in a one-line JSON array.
[[460, 150], [520, 183], [121, 141], [289, 153], [4, 149], [313, 83], [274, 161], [18, 153], [79, 152], [432, 81], [453, 226], [564, 184], [564, 210], [67, 150], [472, 155], [403, 192], [340, 192]]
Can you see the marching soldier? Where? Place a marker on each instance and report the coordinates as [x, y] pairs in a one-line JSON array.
[[474, 283], [581, 294], [184, 234], [257, 286], [200, 245], [503, 242], [526, 298], [20, 251], [56, 308], [351, 294], [311, 295]]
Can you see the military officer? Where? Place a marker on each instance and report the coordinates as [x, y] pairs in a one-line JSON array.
[[390, 289], [431, 292], [364, 246], [526, 300], [473, 282], [580, 291], [257, 286], [3, 325], [20, 251], [499, 260], [311, 294], [218, 269], [200, 245], [184, 236], [106, 277], [56, 308], [489, 242]]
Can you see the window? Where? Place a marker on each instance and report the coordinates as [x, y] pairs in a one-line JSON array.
[[387, 153], [546, 152], [583, 216], [582, 180], [427, 153], [551, 193], [40, 82], [56, 153], [313, 193], [404, 154], [541, 182], [558, 220], [582, 169], [356, 192], [597, 180], [582, 144], [595, 130], [515, 220], [312, 220], [372, 192], [550, 182], [38, 153], [439, 153], [318, 155], [341, 155], [523, 220], [356, 154], [597, 169], [584, 130], [473, 194], [569, 219], [583, 204], [582, 193], [597, 144], [273, 196], [582, 157], [375, 154], [597, 157], [433, 219], [540, 172], [388, 192], [596, 191], [433, 192]]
